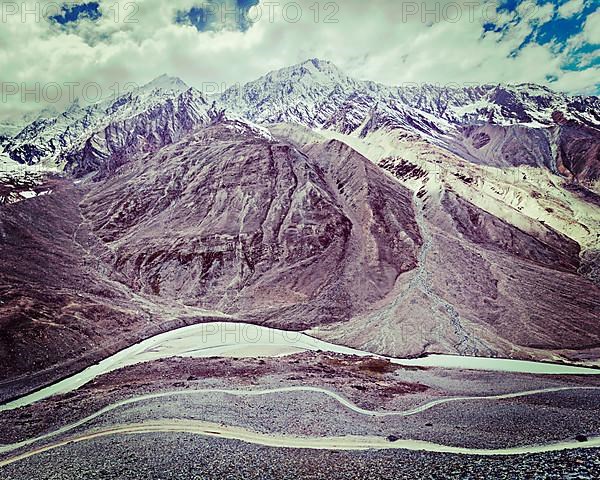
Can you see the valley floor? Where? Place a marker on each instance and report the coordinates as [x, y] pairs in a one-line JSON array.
[[175, 410]]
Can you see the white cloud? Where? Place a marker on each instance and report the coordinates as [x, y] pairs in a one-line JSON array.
[[591, 29], [382, 42], [536, 13], [581, 82], [571, 8]]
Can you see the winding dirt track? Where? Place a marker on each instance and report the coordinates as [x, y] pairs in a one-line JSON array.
[[210, 340], [334, 443], [208, 429]]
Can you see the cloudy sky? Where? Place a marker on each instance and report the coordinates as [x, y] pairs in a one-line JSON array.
[[215, 43]]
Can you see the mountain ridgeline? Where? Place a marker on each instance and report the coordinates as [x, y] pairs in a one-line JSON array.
[[489, 124]]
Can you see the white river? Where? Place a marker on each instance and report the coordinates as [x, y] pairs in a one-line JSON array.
[[223, 339]]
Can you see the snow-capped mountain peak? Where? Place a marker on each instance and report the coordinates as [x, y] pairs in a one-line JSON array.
[[313, 70], [154, 114], [318, 95], [166, 83], [298, 93]]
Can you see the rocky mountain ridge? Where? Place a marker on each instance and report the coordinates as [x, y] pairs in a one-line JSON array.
[[84, 139], [489, 124]]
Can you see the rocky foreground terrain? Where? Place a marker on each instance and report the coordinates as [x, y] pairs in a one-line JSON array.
[[184, 457], [172, 390]]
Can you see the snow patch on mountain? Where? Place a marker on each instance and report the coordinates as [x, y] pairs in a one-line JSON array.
[[531, 199], [158, 111]]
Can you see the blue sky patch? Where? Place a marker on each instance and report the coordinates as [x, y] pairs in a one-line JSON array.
[[73, 13], [195, 16], [247, 4], [214, 16], [561, 29], [555, 33]]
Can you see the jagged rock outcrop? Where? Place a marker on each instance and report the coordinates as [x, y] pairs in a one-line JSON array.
[[577, 151], [156, 127]]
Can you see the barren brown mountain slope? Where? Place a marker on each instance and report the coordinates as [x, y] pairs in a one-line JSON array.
[[487, 284], [227, 219], [233, 220]]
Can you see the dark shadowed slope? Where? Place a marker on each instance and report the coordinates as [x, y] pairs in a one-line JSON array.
[[55, 304]]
